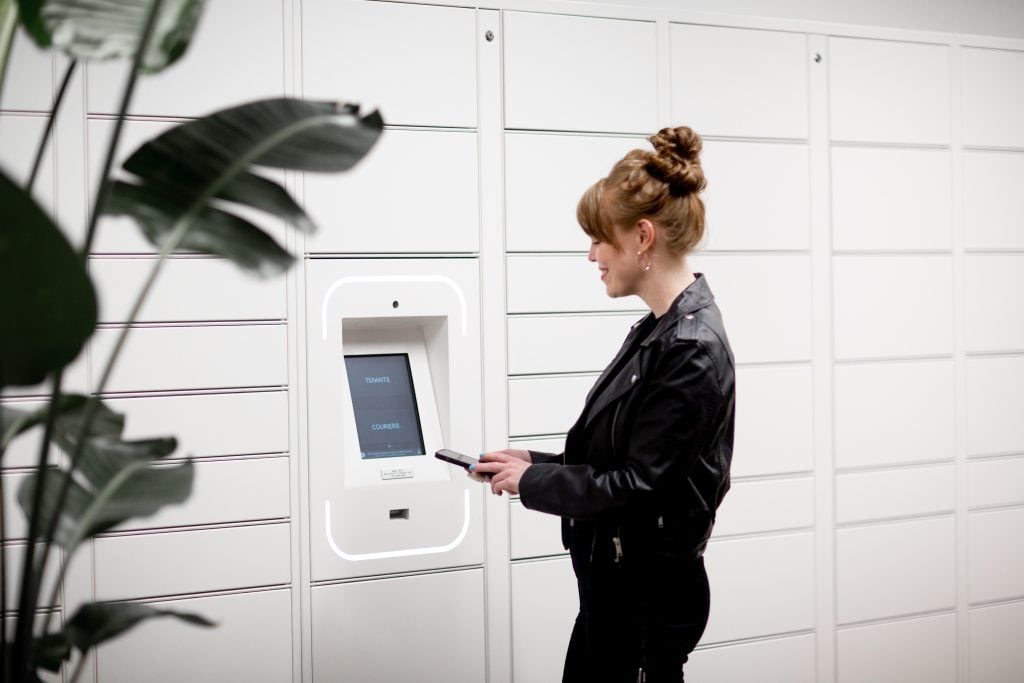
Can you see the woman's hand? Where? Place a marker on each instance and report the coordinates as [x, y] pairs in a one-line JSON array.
[[505, 468]]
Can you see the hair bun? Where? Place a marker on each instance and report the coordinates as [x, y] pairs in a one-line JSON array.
[[676, 159]]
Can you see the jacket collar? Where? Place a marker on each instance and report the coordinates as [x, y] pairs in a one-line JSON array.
[[695, 297]]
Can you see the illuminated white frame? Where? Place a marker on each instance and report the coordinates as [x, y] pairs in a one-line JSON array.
[[408, 552]]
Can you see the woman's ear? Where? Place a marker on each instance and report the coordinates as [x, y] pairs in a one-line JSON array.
[[645, 233]]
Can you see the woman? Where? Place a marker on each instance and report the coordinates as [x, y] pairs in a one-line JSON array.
[[647, 463]]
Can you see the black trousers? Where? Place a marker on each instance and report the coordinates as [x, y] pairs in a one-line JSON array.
[[637, 616]]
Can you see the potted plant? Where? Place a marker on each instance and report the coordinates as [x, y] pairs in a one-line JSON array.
[[183, 189]]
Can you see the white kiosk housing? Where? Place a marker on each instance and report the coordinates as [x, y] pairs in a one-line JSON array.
[[394, 375]]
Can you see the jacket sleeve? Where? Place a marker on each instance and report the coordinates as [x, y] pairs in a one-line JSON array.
[[677, 411], [542, 457]]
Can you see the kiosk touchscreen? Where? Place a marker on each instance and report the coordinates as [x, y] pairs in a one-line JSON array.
[[384, 405]]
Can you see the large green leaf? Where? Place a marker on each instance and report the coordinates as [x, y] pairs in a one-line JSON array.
[[108, 29], [48, 306], [218, 232], [51, 651], [187, 184], [117, 483], [14, 421], [105, 423], [95, 623]]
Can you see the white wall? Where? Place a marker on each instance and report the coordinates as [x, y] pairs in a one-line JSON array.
[[985, 17], [865, 246]]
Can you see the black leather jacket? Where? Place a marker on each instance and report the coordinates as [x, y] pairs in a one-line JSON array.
[[647, 463]]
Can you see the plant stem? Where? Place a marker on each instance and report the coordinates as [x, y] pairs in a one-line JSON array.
[[104, 189], [28, 593], [29, 581], [8, 24], [6, 661], [30, 584], [51, 119], [3, 586], [79, 668]]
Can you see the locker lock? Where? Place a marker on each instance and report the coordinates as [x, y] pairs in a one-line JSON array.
[[489, 36], [817, 58]]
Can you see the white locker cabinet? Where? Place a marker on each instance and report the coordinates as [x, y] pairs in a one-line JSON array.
[[560, 284], [423, 59], [210, 424], [772, 505], [570, 343], [993, 202], [993, 104], [892, 306], [24, 450], [532, 533], [546, 405], [774, 426], [580, 73], [376, 208], [426, 628], [757, 196], [891, 199], [899, 651], [760, 586], [995, 482], [739, 82], [29, 85], [995, 318], [210, 357], [543, 444], [187, 289], [765, 301], [251, 642], [994, 652], [866, 496], [545, 602], [996, 561], [16, 526], [545, 176], [208, 77], [995, 393], [889, 91], [191, 561], [13, 557], [774, 660], [226, 491], [895, 569], [19, 140], [893, 413]]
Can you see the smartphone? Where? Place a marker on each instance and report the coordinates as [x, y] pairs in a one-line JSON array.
[[463, 461]]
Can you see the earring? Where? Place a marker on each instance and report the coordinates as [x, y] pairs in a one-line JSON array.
[[637, 262]]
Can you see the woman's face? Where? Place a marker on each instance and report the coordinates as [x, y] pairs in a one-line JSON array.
[[617, 264]]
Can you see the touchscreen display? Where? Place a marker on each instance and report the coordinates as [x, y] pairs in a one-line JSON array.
[[384, 402]]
